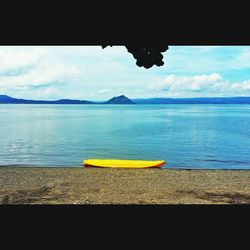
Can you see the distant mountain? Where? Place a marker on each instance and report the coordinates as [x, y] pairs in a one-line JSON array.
[[208, 100], [10, 100], [122, 99], [5, 99]]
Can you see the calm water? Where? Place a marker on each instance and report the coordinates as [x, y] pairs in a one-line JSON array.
[[186, 136]]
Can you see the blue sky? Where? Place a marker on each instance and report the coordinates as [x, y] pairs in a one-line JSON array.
[[93, 73]]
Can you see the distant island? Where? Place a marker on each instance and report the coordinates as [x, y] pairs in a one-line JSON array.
[[5, 99], [119, 100]]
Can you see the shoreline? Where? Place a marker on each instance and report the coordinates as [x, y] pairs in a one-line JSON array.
[[81, 166], [79, 185]]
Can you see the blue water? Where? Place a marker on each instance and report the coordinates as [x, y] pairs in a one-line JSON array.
[[185, 136]]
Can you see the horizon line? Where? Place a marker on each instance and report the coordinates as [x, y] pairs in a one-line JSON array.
[[137, 98]]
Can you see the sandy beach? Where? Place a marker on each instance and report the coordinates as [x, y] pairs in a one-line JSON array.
[[30, 185]]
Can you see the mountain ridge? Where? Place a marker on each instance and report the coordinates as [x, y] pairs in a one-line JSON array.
[[10, 100], [5, 99]]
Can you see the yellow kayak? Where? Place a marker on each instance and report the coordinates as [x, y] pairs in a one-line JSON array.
[[112, 163]]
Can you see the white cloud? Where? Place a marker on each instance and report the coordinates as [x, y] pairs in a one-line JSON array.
[[40, 75], [192, 83], [200, 85], [12, 58], [35, 70]]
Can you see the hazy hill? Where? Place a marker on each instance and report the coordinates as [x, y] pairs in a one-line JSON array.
[[119, 100]]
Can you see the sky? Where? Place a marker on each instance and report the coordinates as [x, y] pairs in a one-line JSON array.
[[93, 73]]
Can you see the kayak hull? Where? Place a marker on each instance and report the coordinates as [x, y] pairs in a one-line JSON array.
[[113, 163]]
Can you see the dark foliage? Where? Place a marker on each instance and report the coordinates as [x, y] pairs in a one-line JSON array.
[[147, 56]]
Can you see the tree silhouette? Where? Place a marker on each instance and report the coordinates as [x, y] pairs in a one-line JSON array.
[[146, 56]]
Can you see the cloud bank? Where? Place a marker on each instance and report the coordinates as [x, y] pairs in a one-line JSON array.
[[200, 85]]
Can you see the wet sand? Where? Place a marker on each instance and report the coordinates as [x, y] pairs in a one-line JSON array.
[[30, 185]]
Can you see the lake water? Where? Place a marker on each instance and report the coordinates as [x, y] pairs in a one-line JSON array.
[[185, 136]]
